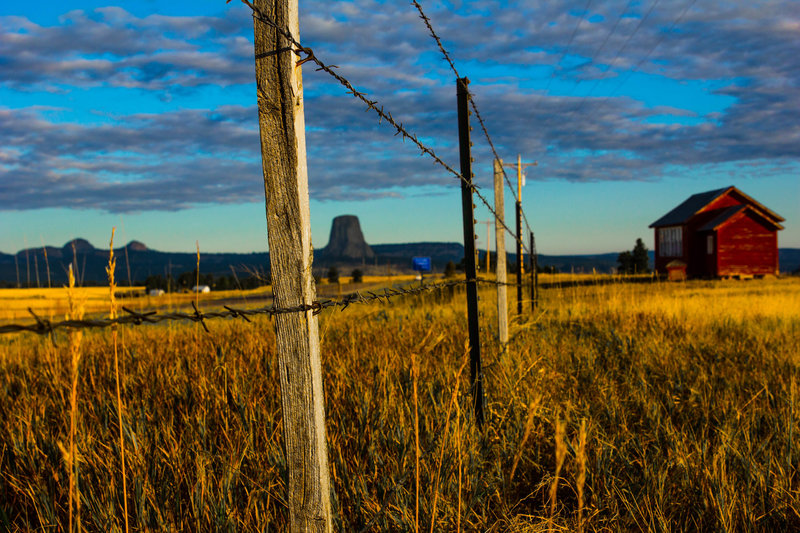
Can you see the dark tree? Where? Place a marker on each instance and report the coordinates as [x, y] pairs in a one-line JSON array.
[[186, 280], [625, 263], [333, 274], [641, 262], [223, 283], [358, 275], [155, 282], [549, 269], [450, 269], [634, 262]]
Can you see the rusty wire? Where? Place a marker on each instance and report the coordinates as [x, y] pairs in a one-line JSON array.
[[373, 105], [449, 60], [44, 326]]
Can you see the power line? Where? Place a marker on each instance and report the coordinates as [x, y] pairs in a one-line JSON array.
[[616, 56], [560, 59], [605, 41], [652, 49]]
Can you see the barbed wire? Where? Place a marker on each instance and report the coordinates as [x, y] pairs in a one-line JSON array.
[[44, 326], [474, 106], [449, 60], [372, 105]]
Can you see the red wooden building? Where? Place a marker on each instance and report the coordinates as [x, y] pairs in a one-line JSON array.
[[719, 233]]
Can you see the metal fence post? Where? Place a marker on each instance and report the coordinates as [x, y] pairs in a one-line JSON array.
[[476, 374]]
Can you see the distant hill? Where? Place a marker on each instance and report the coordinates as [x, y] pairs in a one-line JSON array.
[[439, 252], [789, 259], [143, 262], [90, 263]]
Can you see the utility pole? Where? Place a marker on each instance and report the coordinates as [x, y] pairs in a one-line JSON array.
[[534, 291], [279, 88], [36, 269], [519, 166], [28, 264], [488, 243], [500, 246]]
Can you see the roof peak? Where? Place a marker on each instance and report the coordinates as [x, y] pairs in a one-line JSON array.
[[699, 201]]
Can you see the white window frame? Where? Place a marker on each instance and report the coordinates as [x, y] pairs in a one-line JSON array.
[[670, 241], [710, 244]]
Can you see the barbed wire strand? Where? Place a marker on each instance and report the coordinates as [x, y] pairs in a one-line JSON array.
[[449, 60], [372, 105], [43, 326]]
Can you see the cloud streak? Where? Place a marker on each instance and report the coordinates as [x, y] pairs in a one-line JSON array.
[[590, 126]]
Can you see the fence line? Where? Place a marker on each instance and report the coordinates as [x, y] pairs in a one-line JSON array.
[[371, 104], [44, 326]]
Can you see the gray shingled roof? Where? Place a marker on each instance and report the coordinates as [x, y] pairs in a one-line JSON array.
[[689, 207]]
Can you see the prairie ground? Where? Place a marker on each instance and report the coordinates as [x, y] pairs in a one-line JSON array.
[[615, 407]]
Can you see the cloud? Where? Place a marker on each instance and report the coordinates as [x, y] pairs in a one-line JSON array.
[[111, 47], [587, 126]]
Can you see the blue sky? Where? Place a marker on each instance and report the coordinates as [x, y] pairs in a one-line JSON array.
[[141, 115]]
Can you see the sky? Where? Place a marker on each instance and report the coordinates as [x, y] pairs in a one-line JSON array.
[[142, 116]]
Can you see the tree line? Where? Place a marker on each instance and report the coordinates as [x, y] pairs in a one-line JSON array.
[[186, 280]]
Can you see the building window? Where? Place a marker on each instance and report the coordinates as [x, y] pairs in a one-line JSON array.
[[670, 242], [710, 244]]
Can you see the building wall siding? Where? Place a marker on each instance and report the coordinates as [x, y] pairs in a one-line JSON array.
[[746, 247]]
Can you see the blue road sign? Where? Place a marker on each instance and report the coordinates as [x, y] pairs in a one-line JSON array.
[[423, 264]]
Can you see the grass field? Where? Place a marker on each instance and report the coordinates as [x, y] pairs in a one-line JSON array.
[[616, 407], [51, 303]]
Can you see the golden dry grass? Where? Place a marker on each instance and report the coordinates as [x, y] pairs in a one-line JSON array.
[[53, 303], [677, 407]]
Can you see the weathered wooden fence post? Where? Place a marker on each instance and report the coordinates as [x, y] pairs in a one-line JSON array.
[[519, 254], [536, 271], [533, 273], [283, 152], [500, 245], [468, 210]]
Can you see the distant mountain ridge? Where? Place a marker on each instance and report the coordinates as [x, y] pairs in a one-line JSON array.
[[143, 261]]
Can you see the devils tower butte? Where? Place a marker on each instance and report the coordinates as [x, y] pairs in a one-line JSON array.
[[346, 242]]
